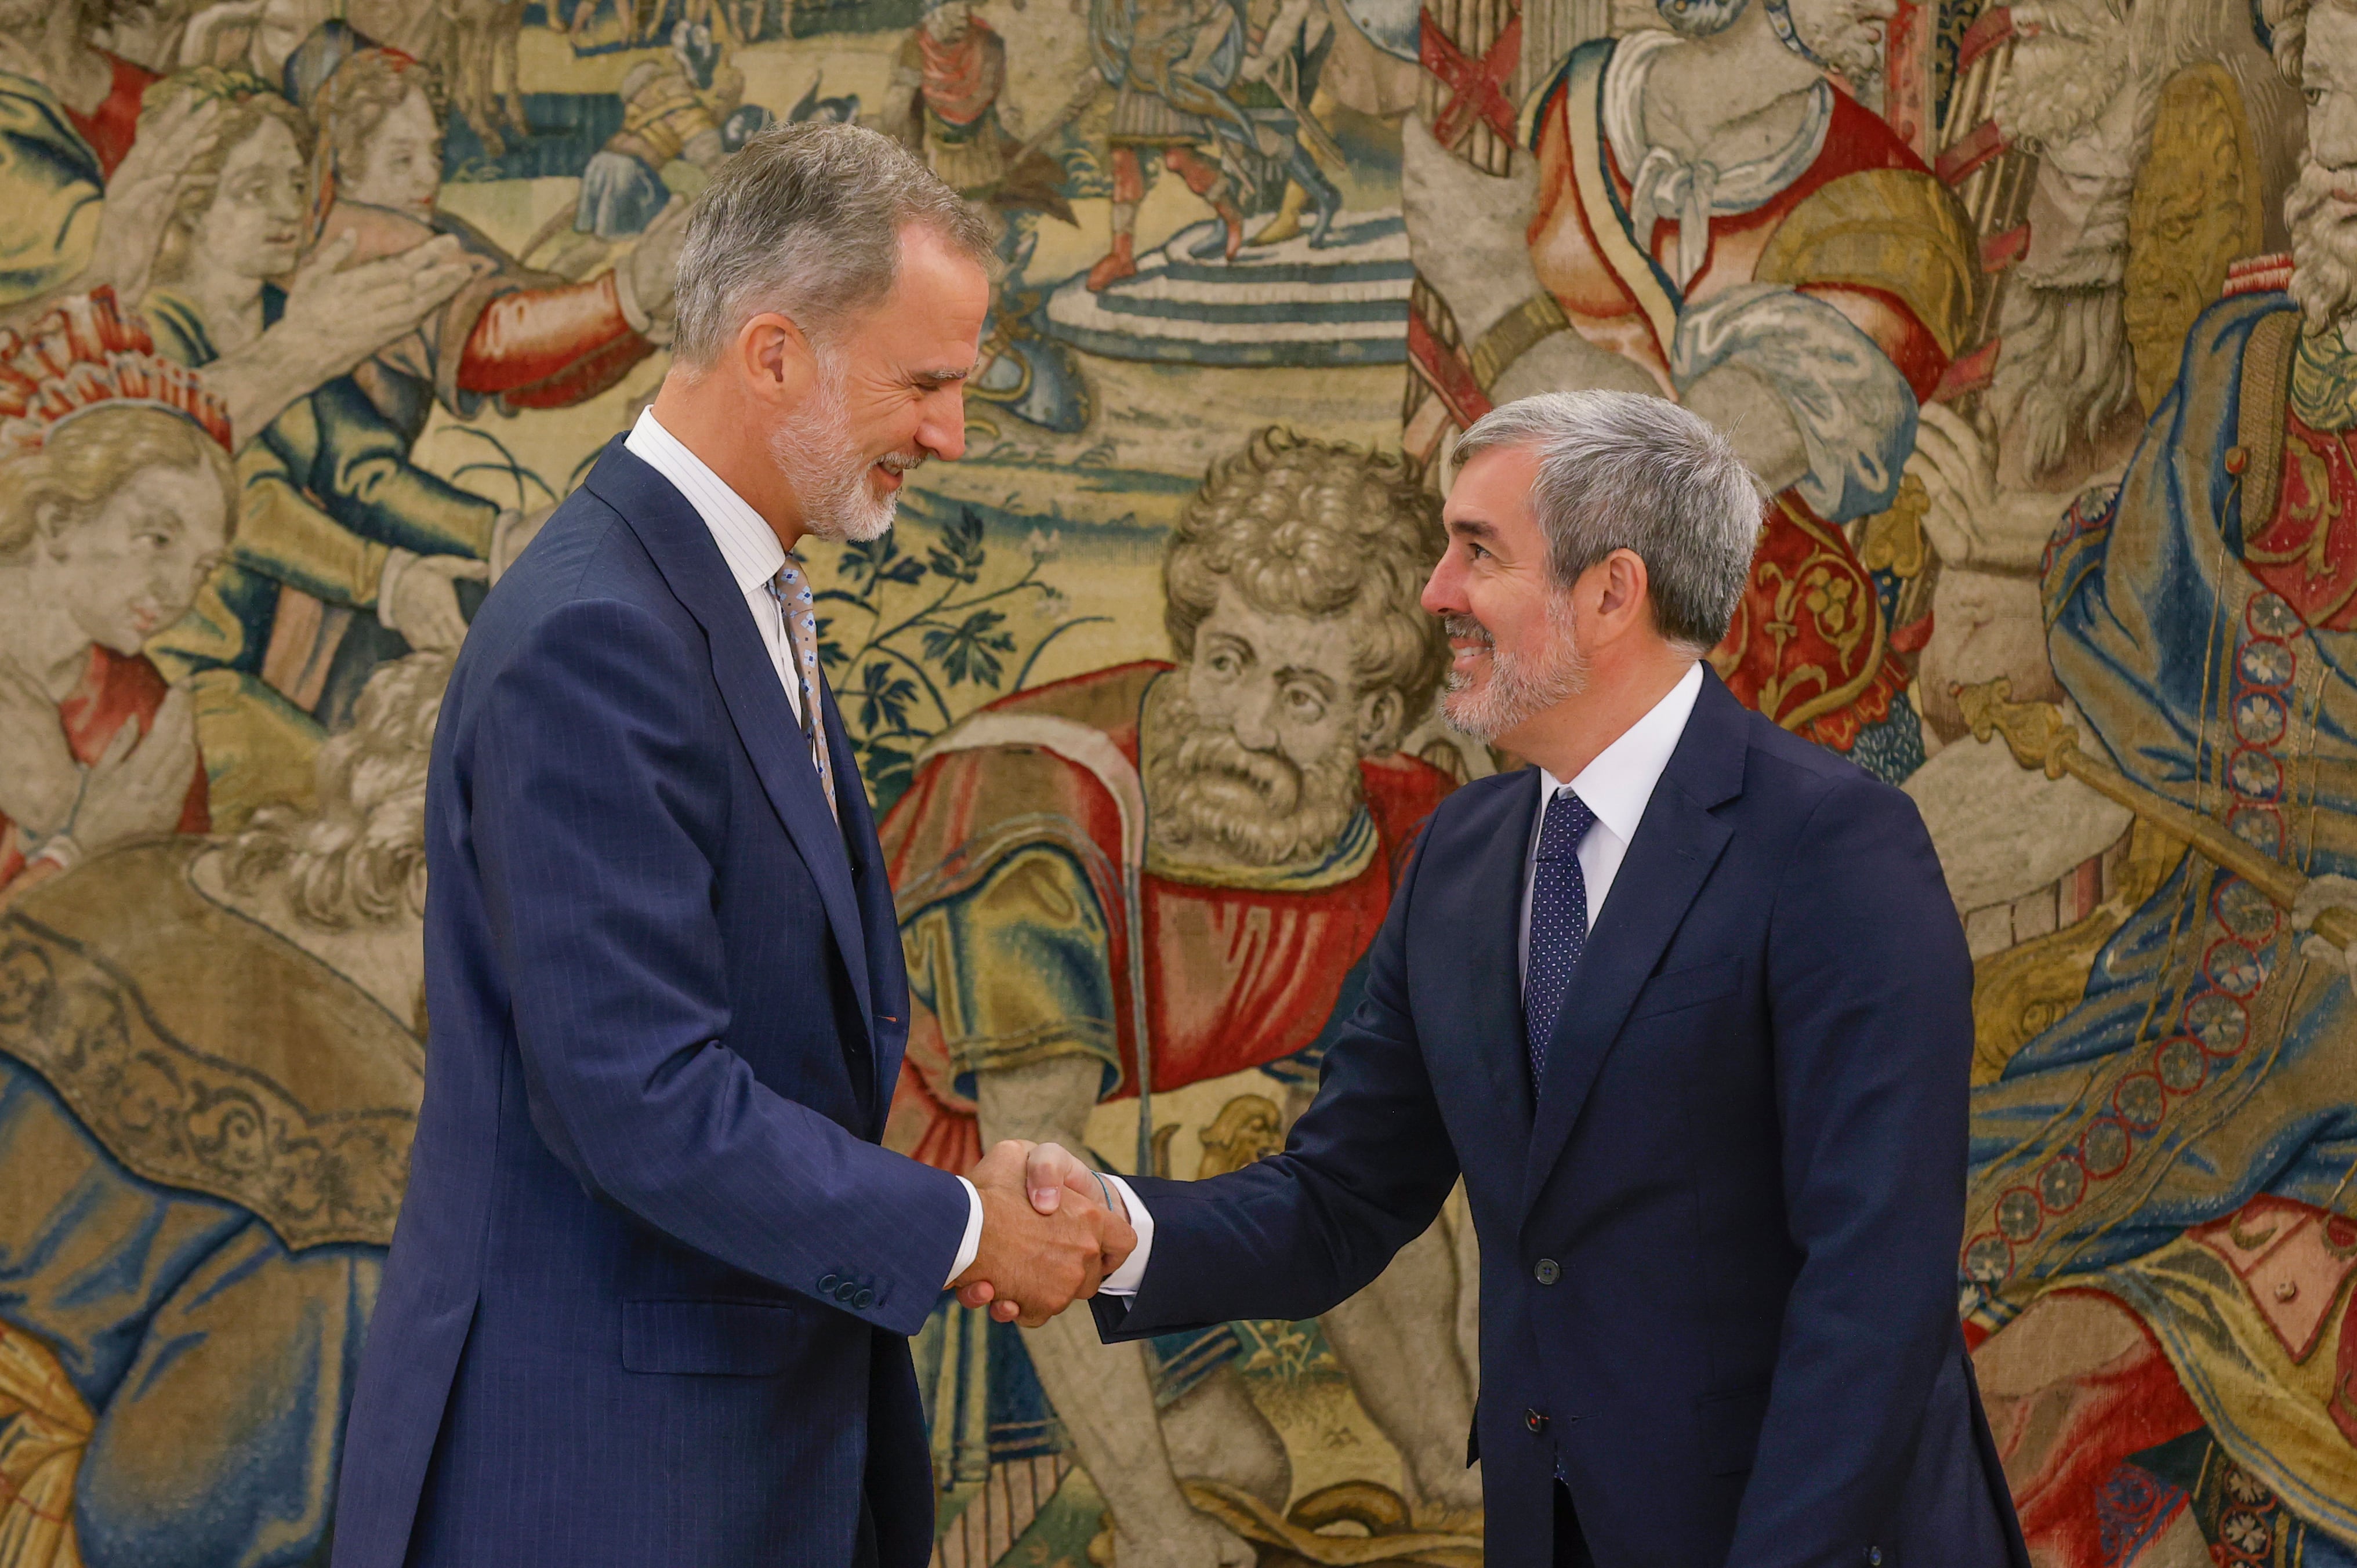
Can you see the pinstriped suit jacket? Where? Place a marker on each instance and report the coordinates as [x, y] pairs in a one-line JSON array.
[[648, 1298]]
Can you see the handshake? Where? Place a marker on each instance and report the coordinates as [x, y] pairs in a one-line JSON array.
[[1051, 1232]]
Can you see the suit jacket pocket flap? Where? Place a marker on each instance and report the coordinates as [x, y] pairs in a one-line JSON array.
[[1731, 1429], [717, 1338], [1688, 987]]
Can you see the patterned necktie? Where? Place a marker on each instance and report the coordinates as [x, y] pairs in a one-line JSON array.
[[1559, 921], [790, 587]]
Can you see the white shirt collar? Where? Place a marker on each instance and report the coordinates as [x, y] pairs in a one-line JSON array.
[[746, 544], [1619, 783]]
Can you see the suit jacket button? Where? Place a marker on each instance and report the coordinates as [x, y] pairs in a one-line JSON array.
[[826, 1284], [1548, 1272], [864, 1300], [1535, 1421]]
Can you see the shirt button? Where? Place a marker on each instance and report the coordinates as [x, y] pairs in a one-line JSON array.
[[1873, 1557], [1548, 1272], [1535, 1421]]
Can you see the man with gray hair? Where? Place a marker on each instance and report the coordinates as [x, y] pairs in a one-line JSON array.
[[648, 1297], [1687, 1007]]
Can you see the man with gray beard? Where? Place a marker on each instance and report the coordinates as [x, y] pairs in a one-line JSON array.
[[1168, 871], [653, 1279], [1687, 1008], [2195, 1103]]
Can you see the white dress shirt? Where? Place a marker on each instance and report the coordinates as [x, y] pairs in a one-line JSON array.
[[1617, 786], [754, 557]]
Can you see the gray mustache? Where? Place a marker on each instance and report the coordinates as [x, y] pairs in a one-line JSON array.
[[1467, 626]]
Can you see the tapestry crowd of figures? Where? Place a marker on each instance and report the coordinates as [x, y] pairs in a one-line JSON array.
[[2039, 324]]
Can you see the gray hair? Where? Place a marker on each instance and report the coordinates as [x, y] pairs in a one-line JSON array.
[[805, 219], [1625, 471]]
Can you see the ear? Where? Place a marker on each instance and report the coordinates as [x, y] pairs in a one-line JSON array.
[[1382, 717], [777, 359], [1623, 590]]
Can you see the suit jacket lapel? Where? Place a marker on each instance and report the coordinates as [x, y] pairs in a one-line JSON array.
[[1678, 840], [1486, 907], [682, 547], [886, 971]]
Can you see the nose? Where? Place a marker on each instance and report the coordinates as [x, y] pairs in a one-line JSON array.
[[286, 203], [1443, 592], [943, 432], [1251, 716]]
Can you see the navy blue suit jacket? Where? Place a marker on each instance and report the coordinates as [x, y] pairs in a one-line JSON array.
[[648, 1298], [1719, 1255]]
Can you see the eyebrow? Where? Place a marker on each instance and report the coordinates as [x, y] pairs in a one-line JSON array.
[[1471, 528], [942, 378]]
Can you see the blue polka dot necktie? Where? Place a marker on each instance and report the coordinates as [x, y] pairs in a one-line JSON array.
[[1559, 921], [790, 587]]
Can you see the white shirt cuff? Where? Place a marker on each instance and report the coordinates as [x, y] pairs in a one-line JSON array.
[[1125, 1280], [971, 1246]]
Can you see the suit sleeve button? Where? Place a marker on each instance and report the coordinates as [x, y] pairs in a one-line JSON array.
[[1547, 1272], [1535, 1421], [864, 1300], [826, 1284], [845, 1291]]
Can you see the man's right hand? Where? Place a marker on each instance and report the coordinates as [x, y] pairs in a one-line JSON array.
[[1032, 1265]]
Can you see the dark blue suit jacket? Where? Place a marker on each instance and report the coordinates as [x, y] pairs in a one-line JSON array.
[[648, 1298], [1718, 1255]]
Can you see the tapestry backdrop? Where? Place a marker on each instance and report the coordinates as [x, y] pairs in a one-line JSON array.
[[2032, 321]]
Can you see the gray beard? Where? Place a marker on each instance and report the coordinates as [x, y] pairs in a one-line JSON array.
[[2323, 250], [2065, 372], [1518, 688], [1205, 789], [815, 452]]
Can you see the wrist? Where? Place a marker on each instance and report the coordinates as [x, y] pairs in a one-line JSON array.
[[60, 850], [1111, 1200]]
